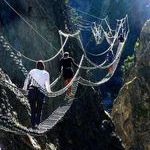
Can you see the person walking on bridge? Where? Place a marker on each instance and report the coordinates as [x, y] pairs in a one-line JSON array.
[[66, 64], [121, 38], [110, 58], [36, 78]]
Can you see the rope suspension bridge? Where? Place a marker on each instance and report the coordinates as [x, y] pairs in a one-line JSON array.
[[99, 33]]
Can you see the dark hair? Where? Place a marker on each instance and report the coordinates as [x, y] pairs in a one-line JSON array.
[[40, 65], [108, 125], [66, 54]]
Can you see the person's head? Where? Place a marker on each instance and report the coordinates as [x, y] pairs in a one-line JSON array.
[[107, 125], [121, 35], [66, 54], [40, 65]]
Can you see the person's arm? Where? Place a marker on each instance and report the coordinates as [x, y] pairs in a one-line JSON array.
[[107, 57], [73, 62], [60, 65], [26, 83], [110, 56], [47, 83]]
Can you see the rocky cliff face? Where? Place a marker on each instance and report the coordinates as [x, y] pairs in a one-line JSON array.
[[131, 110], [33, 38]]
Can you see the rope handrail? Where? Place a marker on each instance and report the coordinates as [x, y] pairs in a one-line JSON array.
[[68, 34], [55, 81], [82, 47], [51, 94], [109, 49], [21, 130], [33, 60], [61, 49], [100, 54], [47, 60], [116, 57], [105, 79], [108, 76], [60, 92], [93, 67], [101, 65], [17, 128]]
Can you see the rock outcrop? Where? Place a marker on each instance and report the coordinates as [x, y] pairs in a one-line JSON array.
[[86, 125], [131, 110]]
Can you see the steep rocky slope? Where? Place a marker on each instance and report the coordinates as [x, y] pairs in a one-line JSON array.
[[131, 110], [138, 12], [84, 127]]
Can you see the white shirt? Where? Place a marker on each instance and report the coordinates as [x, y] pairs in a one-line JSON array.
[[38, 78]]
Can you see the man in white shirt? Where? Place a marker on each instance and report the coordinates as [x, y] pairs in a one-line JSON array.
[[36, 78]]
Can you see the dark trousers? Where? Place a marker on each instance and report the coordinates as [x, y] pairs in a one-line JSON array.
[[36, 100]]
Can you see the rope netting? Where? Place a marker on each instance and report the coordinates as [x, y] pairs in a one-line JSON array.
[[100, 66], [63, 90], [108, 76], [19, 129], [99, 34]]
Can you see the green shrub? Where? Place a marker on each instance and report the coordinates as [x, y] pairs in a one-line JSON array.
[[137, 44], [128, 64]]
